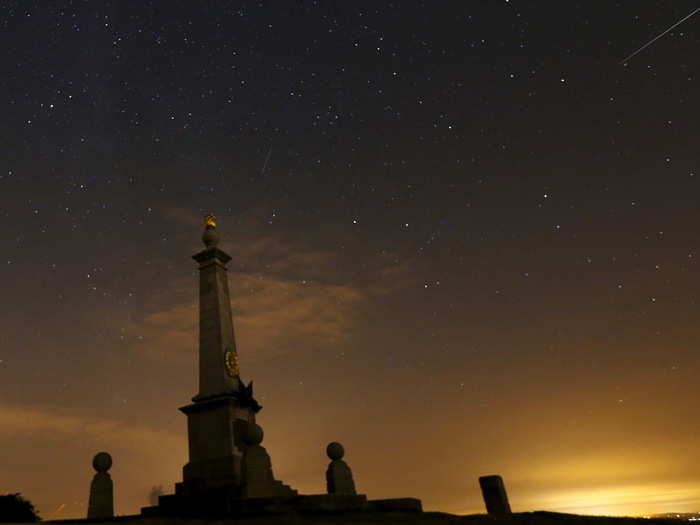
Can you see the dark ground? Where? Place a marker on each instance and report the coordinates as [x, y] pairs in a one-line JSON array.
[[429, 518], [426, 518]]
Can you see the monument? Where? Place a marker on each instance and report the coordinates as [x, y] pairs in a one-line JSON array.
[[224, 407], [229, 473]]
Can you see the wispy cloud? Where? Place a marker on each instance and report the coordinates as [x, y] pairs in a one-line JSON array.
[[271, 315], [285, 295], [23, 420]]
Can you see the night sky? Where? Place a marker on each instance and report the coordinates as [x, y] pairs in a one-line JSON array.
[[465, 241]]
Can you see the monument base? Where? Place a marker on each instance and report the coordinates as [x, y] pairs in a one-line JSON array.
[[221, 505]]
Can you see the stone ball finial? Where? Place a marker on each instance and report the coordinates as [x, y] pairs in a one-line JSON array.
[[210, 237], [335, 450], [102, 462], [252, 434]]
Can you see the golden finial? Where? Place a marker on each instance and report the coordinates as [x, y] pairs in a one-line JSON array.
[[210, 237]]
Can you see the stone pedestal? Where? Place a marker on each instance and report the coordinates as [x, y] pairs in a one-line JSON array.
[[101, 502], [215, 443], [495, 497], [210, 506], [338, 475]]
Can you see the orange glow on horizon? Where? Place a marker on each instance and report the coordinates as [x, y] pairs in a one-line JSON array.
[[637, 500]]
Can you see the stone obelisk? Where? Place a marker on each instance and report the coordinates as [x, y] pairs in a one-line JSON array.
[[229, 473], [224, 404]]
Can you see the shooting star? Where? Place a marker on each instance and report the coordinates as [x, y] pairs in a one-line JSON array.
[[59, 509], [624, 60], [262, 171]]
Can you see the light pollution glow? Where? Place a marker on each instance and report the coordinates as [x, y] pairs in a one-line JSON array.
[[618, 438], [628, 500]]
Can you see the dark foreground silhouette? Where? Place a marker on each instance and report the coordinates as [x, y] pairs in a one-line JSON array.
[[14, 508], [398, 518]]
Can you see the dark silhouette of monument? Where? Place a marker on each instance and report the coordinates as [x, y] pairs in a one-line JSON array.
[[229, 473], [101, 502], [224, 408], [495, 496], [338, 475]]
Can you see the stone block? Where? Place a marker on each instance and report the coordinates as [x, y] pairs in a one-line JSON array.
[[495, 497]]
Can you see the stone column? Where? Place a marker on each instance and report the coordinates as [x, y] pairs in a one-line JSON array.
[[218, 358], [338, 475], [495, 497], [101, 503]]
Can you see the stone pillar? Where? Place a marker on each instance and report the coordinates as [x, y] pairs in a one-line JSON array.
[[101, 503], [338, 475], [495, 497], [218, 358], [256, 467], [258, 481]]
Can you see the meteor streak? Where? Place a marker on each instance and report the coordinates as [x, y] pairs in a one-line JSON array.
[[624, 60], [262, 172]]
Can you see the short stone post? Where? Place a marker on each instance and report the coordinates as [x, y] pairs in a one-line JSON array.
[[101, 504], [258, 481], [338, 475], [495, 497]]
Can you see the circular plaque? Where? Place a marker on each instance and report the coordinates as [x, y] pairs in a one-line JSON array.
[[231, 362]]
